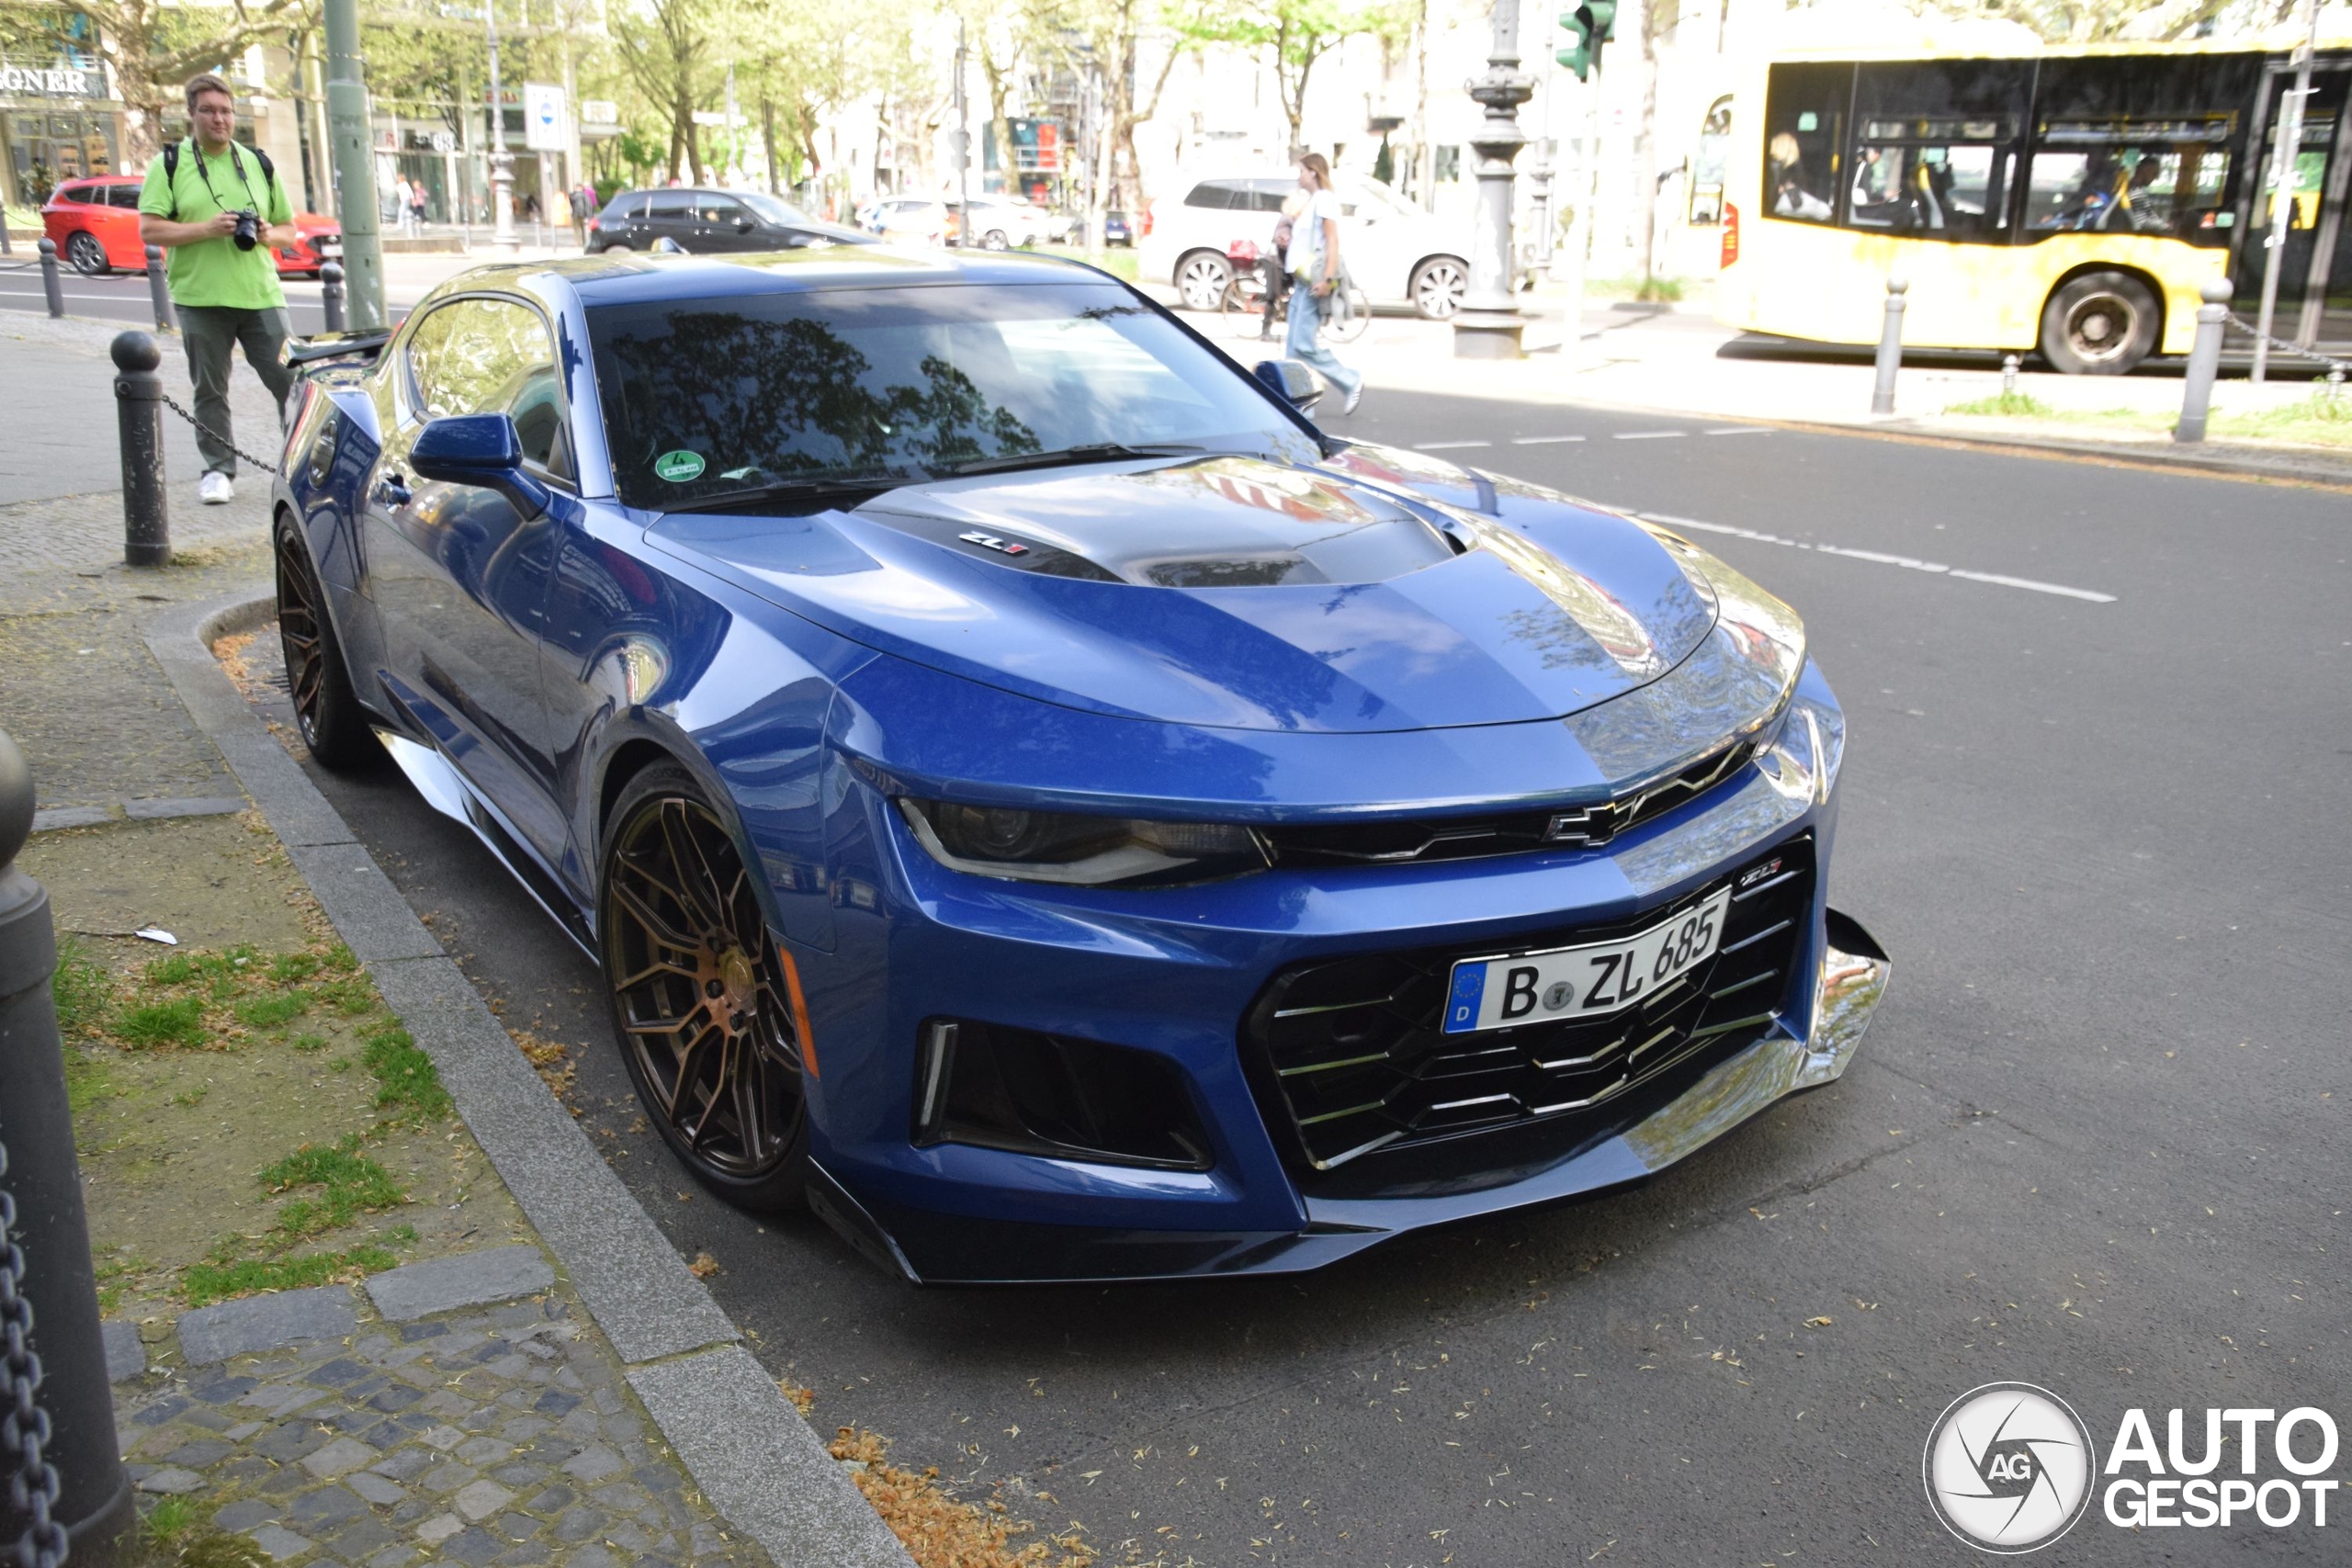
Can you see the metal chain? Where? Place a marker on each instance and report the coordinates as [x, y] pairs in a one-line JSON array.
[[173, 403], [24, 1426], [2281, 345]]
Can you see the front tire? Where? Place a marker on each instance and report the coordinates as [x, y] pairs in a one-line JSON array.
[[1438, 286], [326, 710], [2102, 323], [995, 240], [701, 1005], [87, 255], [1202, 279]]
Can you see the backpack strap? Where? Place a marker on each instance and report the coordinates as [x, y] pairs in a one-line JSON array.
[[172, 177]]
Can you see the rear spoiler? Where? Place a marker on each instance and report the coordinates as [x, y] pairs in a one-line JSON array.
[[355, 350]]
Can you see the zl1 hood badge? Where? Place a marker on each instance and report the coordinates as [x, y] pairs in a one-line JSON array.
[[990, 542]]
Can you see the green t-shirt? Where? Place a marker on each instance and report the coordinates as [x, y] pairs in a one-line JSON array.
[[214, 272]]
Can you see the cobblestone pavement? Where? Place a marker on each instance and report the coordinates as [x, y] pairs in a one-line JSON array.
[[498, 1437]]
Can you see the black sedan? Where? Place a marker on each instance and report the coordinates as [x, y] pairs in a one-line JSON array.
[[704, 222]]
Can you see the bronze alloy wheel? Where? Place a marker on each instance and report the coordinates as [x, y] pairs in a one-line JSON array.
[[704, 1007], [329, 715]]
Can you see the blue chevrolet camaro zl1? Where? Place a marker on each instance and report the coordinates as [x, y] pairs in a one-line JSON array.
[[1038, 800]]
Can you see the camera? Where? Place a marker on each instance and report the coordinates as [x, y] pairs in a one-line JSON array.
[[247, 232]]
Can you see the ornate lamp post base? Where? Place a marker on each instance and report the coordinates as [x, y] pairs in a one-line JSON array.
[[1489, 323]]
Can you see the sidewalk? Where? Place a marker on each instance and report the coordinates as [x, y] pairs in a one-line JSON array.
[[470, 1344]]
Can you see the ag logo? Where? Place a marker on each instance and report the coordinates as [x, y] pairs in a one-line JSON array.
[[2009, 1468]]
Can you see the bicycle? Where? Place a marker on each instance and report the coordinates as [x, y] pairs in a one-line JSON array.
[[1346, 309]]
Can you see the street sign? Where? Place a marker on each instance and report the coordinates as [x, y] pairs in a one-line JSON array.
[[444, 142], [543, 122], [599, 111]]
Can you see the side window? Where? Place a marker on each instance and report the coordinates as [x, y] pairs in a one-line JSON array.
[[123, 196], [669, 205], [1217, 195], [1935, 147], [723, 210], [2144, 146], [1268, 195], [1804, 114], [624, 207], [1707, 165], [493, 357]]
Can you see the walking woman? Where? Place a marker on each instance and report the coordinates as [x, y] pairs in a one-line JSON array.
[[1314, 265]]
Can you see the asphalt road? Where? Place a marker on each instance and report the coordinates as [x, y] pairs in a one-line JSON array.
[[2094, 1141], [123, 297]]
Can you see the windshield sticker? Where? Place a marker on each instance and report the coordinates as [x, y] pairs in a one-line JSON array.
[[678, 467]]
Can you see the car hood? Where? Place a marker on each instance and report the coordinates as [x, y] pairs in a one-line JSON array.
[[1379, 591]]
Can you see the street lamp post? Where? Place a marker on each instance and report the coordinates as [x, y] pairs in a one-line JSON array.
[[1489, 323], [502, 162], [354, 165]]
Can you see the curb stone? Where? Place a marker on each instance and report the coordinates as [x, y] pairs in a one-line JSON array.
[[265, 1323], [469, 1279], [749, 1450]]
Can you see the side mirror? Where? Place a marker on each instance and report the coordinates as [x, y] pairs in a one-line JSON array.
[[477, 449], [745, 225], [1290, 380]]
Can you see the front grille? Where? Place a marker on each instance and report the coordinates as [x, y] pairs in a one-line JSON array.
[[1349, 1060], [1397, 840]]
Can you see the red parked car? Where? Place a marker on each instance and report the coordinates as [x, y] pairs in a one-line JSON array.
[[94, 224]]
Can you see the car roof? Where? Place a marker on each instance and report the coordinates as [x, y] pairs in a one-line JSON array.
[[638, 277]]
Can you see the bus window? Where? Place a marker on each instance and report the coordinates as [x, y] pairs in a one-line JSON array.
[[2145, 144], [1935, 145], [1707, 165], [1804, 114]]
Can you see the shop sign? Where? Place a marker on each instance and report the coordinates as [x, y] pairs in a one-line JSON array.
[[54, 82]]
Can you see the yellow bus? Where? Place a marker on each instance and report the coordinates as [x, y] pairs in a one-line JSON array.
[[2071, 202]]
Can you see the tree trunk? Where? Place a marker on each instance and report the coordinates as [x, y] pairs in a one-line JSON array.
[[1645, 203], [1000, 81], [767, 138], [1422, 182]]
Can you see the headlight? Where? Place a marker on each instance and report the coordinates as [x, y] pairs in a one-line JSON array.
[[1071, 848]]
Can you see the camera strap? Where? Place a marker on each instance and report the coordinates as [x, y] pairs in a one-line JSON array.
[[172, 173]]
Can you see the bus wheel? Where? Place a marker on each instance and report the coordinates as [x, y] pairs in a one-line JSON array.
[[2102, 323]]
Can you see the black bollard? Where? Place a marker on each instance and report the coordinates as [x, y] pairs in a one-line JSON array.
[[139, 409], [49, 283], [331, 294], [93, 1500], [158, 290]]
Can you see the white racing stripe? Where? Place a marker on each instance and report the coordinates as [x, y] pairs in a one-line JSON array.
[[1881, 557]]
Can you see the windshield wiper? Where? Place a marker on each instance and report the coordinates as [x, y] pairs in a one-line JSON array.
[[1091, 452], [819, 489]]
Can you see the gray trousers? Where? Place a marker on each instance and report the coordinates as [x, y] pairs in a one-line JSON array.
[[211, 331]]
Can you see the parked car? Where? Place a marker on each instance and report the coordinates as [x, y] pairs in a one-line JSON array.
[[914, 220], [1038, 799], [95, 224], [1000, 222], [1396, 253], [708, 221]]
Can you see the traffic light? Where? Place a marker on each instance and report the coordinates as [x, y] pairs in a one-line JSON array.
[[1594, 23]]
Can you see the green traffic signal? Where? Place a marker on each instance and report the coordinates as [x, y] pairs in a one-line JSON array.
[[1594, 24]]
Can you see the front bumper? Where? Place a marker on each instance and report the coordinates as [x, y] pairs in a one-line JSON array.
[[930, 1249]]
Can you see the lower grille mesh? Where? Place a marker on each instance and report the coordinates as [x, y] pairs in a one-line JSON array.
[[1353, 1060]]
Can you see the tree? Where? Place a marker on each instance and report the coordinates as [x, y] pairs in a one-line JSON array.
[[669, 48], [152, 48], [1298, 34]]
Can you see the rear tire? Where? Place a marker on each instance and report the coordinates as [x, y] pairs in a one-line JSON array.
[[327, 711], [87, 255], [1202, 279], [2102, 323], [701, 1005]]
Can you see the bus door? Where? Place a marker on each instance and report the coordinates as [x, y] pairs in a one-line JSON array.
[[2314, 265]]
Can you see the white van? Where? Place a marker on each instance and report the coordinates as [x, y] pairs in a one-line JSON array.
[[1398, 254]]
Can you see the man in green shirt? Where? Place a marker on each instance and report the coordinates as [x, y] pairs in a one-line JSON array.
[[226, 295]]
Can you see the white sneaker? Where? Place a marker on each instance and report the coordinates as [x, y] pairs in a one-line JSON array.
[[215, 489], [1355, 396]]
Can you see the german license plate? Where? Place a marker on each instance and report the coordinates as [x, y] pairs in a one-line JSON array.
[[1591, 981]]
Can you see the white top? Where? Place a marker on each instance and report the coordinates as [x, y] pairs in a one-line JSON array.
[[1306, 232]]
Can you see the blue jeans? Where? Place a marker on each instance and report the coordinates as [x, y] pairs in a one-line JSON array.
[[1305, 320]]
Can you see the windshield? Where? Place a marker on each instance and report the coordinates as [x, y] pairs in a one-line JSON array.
[[703, 397], [774, 208]]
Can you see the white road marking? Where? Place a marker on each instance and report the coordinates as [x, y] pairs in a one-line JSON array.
[[1740, 430], [1880, 558], [1447, 445], [1542, 440], [1646, 435]]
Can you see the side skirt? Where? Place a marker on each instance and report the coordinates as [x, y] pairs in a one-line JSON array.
[[446, 791]]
